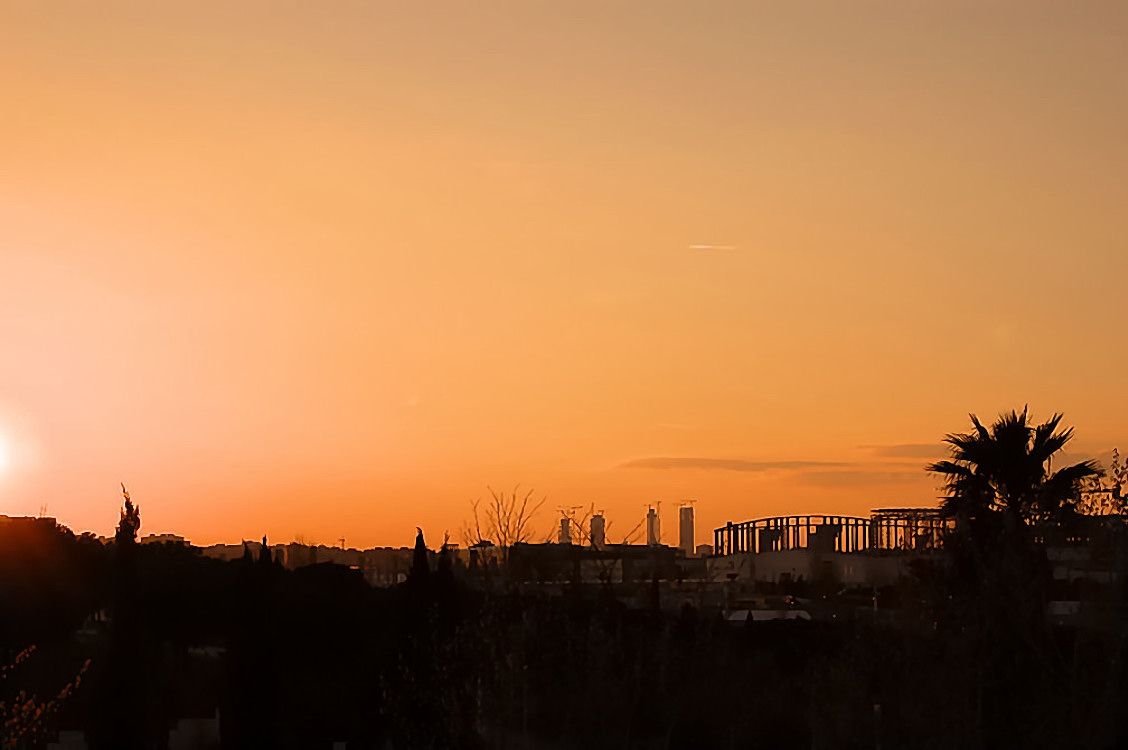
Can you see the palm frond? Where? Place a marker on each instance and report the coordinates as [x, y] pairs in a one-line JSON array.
[[1004, 467]]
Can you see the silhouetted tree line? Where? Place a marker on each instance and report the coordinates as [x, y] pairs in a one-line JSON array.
[[958, 655], [316, 655]]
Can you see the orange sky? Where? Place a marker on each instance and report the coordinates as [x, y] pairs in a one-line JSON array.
[[330, 269]]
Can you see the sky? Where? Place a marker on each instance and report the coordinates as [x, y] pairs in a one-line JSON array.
[[327, 270]]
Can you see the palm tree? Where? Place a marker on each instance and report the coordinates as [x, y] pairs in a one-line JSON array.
[[1005, 472], [1000, 485]]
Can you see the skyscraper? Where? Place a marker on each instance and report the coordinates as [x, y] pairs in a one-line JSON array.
[[565, 530], [685, 529], [598, 530]]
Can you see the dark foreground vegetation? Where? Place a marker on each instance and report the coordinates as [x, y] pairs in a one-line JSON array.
[[306, 657], [960, 654]]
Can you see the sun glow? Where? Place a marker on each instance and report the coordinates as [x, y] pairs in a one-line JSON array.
[[5, 456]]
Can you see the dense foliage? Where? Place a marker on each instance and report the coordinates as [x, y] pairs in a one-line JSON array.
[[305, 657], [959, 654]]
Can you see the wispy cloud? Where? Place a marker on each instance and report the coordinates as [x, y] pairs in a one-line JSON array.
[[723, 464], [825, 474], [909, 450], [851, 478]]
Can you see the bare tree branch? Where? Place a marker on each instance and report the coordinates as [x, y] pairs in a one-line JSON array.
[[506, 519]]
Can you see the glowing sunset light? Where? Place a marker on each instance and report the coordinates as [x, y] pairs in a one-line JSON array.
[[5, 456], [334, 271]]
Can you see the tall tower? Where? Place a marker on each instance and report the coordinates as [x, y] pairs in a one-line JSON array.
[[598, 530], [565, 530], [685, 529], [653, 527]]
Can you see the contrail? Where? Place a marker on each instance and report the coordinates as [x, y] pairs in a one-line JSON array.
[[712, 247]]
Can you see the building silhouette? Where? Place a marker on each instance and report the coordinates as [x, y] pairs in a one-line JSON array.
[[685, 530]]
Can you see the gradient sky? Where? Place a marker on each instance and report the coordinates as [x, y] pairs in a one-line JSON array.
[[330, 269]]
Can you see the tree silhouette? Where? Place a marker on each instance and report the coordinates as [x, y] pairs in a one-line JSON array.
[[420, 565], [1107, 495], [1006, 498], [265, 558], [123, 697], [1006, 469], [130, 522], [506, 519], [23, 719]]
